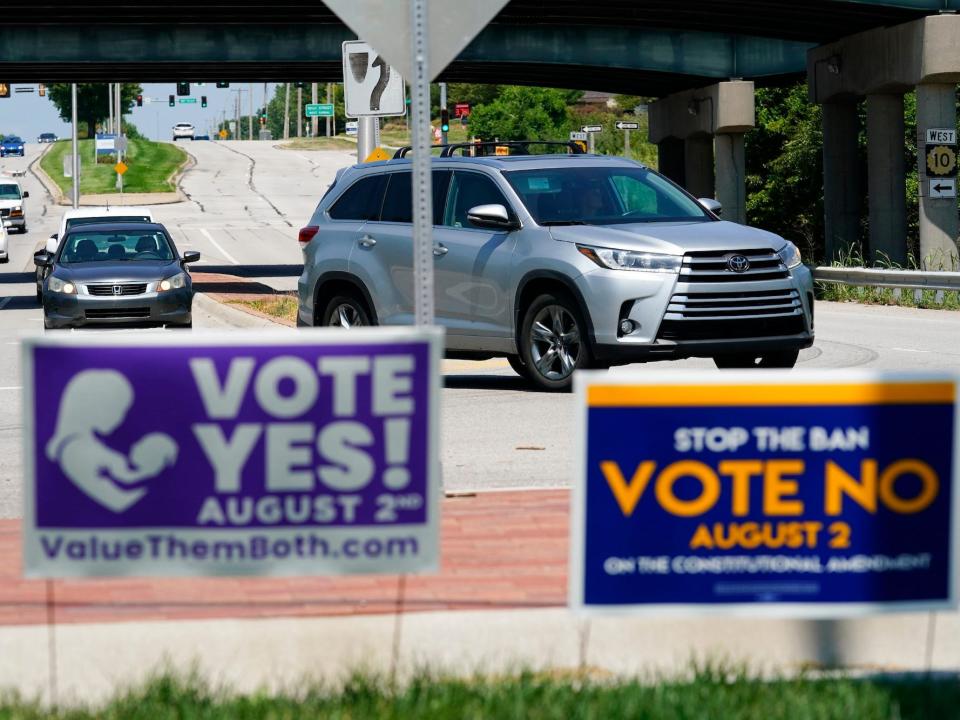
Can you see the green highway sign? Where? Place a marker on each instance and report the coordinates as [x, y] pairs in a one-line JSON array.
[[187, 100], [319, 110]]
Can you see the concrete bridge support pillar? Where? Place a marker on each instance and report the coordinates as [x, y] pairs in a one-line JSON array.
[[936, 108], [698, 165], [886, 179], [670, 159], [842, 181], [731, 171]]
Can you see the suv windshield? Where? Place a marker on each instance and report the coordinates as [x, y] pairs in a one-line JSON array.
[[109, 246], [602, 196], [9, 192]]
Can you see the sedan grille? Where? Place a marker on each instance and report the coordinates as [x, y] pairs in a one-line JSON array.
[[711, 266], [111, 313], [125, 289]]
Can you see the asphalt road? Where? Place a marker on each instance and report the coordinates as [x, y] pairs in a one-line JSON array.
[[246, 203]]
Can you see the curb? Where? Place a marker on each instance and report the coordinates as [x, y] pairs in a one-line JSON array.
[[234, 316]]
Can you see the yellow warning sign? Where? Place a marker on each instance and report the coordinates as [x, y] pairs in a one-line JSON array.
[[502, 150], [941, 160], [223, 134], [377, 155], [121, 167]]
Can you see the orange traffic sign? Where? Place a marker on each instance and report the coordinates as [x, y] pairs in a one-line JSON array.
[[120, 167], [377, 155]]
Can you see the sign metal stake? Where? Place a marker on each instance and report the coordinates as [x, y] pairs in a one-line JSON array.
[[74, 149], [420, 140]]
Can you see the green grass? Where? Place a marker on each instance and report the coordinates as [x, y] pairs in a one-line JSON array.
[[150, 165], [711, 695], [319, 143], [279, 306], [925, 299]]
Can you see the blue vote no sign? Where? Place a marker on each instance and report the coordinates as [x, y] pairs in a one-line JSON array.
[[791, 494]]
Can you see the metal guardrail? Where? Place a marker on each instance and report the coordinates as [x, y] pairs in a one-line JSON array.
[[889, 278]]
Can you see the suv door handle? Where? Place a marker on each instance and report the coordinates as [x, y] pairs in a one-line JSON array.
[[367, 241], [440, 249]]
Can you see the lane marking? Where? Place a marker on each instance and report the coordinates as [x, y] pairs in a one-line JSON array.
[[12, 387], [913, 350], [217, 245]]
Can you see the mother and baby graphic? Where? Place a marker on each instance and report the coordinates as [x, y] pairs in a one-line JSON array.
[[93, 405]]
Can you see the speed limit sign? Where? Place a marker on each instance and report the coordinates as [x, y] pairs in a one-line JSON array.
[[941, 161]]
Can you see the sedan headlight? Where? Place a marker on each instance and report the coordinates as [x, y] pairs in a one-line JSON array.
[[55, 284], [790, 254], [174, 282], [632, 260]]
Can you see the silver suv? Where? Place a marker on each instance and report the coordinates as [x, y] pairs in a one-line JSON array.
[[557, 262]]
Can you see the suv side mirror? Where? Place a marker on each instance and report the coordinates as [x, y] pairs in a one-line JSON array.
[[712, 205], [42, 259], [494, 217], [26, 194], [191, 256]]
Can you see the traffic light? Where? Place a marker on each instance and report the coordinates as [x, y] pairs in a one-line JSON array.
[[172, 101], [139, 100], [223, 85], [183, 88], [300, 85], [444, 120], [4, 90], [203, 101]]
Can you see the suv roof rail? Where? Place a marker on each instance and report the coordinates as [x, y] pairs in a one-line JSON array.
[[483, 148]]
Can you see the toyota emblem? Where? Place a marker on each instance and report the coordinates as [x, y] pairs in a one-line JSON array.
[[118, 290], [738, 263]]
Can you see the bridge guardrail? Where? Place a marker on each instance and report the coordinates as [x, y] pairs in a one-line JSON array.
[[916, 280]]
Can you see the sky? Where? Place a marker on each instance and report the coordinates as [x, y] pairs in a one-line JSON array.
[[28, 115]]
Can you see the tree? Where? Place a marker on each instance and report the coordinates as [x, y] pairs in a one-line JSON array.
[[92, 101], [524, 113]]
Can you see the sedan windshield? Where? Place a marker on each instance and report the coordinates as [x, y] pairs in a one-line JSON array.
[[109, 246], [602, 196], [9, 192], [78, 221]]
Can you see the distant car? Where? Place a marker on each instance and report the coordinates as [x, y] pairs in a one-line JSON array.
[[89, 216], [12, 145], [351, 127], [201, 137], [117, 273], [13, 210], [183, 131], [47, 138]]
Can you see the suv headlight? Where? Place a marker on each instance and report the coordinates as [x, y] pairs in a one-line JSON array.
[[790, 254], [17, 211], [632, 260], [55, 284], [175, 282]]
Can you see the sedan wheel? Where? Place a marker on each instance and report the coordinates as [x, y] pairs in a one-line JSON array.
[[552, 342]]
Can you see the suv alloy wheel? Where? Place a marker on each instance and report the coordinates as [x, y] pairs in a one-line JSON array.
[[344, 312], [553, 342]]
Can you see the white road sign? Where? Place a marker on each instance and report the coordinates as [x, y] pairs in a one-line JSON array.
[[370, 86], [592, 128], [386, 25], [577, 135], [627, 125], [942, 136], [943, 188]]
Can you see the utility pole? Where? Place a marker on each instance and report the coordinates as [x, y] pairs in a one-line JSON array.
[[75, 160], [314, 98], [250, 119], [443, 106], [237, 109], [299, 111], [286, 111], [110, 108], [330, 100], [266, 104]]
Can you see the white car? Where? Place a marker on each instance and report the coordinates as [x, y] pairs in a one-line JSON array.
[[88, 216], [182, 131], [13, 209], [4, 242]]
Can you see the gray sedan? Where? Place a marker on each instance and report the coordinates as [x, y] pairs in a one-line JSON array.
[[117, 273]]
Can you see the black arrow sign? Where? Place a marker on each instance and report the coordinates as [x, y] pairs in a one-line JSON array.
[[940, 188]]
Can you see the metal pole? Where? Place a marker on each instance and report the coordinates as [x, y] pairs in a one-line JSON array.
[[330, 119], [314, 121], [299, 112], [443, 106], [250, 119], [74, 150], [116, 87], [236, 108], [286, 111], [590, 142], [366, 137], [266, 103], [626, 142], [421, 141], [109, 109]]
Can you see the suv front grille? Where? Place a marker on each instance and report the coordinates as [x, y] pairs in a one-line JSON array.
[[727, 305], [4, 212], [125, 289], [710, 266]]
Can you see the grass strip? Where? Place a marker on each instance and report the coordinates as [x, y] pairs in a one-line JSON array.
[[710, 694], [278, 306], [319, 143], [150, 166]]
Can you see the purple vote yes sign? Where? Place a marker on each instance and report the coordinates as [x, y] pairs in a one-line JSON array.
[[306, 453]]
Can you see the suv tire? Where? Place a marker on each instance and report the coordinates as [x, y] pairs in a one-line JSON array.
[[782, 359], [553, 342], [516, 363], [344, 311]]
